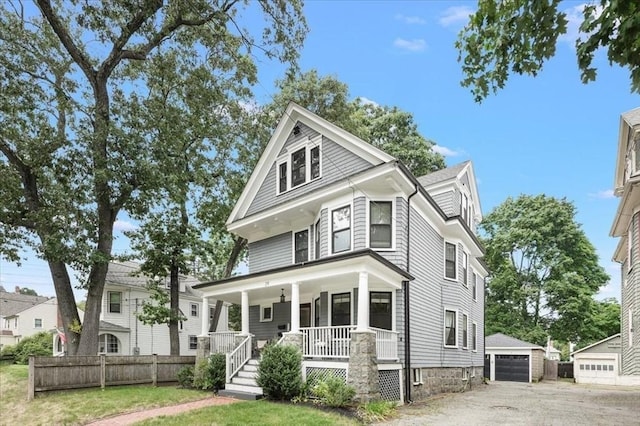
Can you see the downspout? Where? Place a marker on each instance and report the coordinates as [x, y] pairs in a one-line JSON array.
[[405, 288]]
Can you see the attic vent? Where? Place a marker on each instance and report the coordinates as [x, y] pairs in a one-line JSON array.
[[296, 130]]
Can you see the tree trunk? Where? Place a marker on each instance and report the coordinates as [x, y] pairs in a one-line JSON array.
[[66, 305], [239, 245], [174, 336]]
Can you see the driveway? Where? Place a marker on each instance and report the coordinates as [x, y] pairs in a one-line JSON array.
[[510, 403]]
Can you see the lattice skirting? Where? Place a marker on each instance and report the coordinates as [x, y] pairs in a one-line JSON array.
[[390, 384], [318, 374]]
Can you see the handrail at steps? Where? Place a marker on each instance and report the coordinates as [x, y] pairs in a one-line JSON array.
[[238, 357]]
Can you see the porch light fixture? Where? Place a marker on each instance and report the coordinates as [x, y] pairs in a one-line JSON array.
[[282, 296]]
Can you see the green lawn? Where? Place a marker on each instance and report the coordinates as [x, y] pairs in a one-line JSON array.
[[253, 413]]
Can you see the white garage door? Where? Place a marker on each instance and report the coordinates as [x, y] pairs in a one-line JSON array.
[[597, 370]]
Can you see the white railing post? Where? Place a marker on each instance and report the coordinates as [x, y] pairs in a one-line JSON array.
[[295, 308]]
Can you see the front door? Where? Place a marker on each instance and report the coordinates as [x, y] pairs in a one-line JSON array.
[[305, 315], [380, 309]]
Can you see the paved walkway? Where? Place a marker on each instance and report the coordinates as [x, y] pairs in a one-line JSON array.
[[128, 419]]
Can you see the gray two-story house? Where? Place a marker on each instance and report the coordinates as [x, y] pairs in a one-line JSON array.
[[374, 273]]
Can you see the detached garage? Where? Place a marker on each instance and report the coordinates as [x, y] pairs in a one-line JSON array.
[[510, 359], [598, 363]]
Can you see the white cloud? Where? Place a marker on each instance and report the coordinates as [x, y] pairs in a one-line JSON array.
[[415, 45], [602, 195], [123, 225], [443, 150], [575, 17], [455, 15], [412, 20]]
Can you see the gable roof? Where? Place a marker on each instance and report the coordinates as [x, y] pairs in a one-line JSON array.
[[500, 340], [628, 121], [108, 326], [443, 174], [292, 115], [13, 303], [606, 339], [128, 274]]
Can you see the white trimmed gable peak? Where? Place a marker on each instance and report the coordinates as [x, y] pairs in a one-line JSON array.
[[293, 115]]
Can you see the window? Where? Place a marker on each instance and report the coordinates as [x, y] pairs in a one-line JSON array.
[[15, 322], [610, 367], [194, 309], [380, 309], [266, 313], [341, 229], [193, 342], [341, 309], [301, 246], [465, 268], [315, 162], [474, 337], [317, 239], [581, 366], [380, 224], [298, 167], [474, 287], [417, 376], [6, 323], [282, 177], [465, 207], [115, 302], [465, 333], [450, 320], [37, 322], [108, 343], [316, 313], [450, 261]]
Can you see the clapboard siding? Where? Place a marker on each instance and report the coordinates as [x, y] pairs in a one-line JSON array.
[[324, 234], [266, 330], [337, 163], [359, 223], [631, 303], [445, 201], [271, 253]]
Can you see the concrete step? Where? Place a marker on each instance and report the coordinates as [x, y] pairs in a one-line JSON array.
[[240, 395], [249, 374], [253, 361], [256, 390], [249, 381], [250, 367]]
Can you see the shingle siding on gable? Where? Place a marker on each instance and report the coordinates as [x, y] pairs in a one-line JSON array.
[[446, 202], [430, 294], [271, 253], [337, 163]]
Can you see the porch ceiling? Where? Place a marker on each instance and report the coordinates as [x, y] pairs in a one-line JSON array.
[[329, 272]]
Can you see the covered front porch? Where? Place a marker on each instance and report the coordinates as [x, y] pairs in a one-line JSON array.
[[340, 309]]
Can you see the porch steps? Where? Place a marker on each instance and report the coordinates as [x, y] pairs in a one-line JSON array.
[[243, 385]]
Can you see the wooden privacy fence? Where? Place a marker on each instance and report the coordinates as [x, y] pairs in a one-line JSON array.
[[74, 372], [550, 370]]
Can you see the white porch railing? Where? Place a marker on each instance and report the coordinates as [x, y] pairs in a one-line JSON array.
[[386, 344], [335, 342], [223, 342], [238, 358]]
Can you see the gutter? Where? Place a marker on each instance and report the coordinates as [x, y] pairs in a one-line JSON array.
[[405, 288]]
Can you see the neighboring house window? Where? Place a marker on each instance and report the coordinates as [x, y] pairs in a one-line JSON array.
[[474, 336], [37, 322], [298, 167], [341, 229], [301, 246], [108, 343], [380, 224], [315, 162], [266, 313], [282, 177], [317, 241], [450, 260], [193, 342], [341, 309], [450, 336], [465, 333], [474, 286], [115, 302], [6, 323], [194, 309], [15, 322], [465, 268]]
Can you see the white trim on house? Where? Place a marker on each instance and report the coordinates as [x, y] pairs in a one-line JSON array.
[[330, 209], [455, 257], [388, 199], [308, 145], [293, 243], [444, 327]]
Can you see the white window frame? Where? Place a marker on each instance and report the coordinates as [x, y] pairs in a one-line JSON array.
[[465, 328], [308, 145], [465, 268], [444, 327], [474, 286], [35, 323], [193, 307], [391, 200], [351, 307], [316, 238], [474, 336], [263, 318], [330, 226], [455, 257], [416, 373], [109, 302], [193, 336], [293, 244]]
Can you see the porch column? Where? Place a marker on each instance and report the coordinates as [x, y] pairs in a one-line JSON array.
[[245, 313], [363, 302], [295, 307], [205, 316]]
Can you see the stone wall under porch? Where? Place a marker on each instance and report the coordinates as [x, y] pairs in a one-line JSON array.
[[446, 379]]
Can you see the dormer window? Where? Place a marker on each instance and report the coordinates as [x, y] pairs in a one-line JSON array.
[[299, 167]]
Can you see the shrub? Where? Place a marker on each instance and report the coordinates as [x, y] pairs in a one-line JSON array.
[[280, 372], [185, 377], [210, 374], [40, 344], [376, 411], [334, 392]]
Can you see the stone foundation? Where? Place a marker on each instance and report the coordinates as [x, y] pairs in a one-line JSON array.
[[291, 338], [363, 369], [443, 380]]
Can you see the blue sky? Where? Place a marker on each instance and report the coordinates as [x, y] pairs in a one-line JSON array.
[[550, 134]]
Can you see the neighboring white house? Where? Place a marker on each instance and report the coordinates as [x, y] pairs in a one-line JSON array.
[[599, 363], [23, 315], [551, 353], [122, 333]]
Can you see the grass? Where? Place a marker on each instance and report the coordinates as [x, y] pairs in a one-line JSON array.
[[253, 413], [83, 405]]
